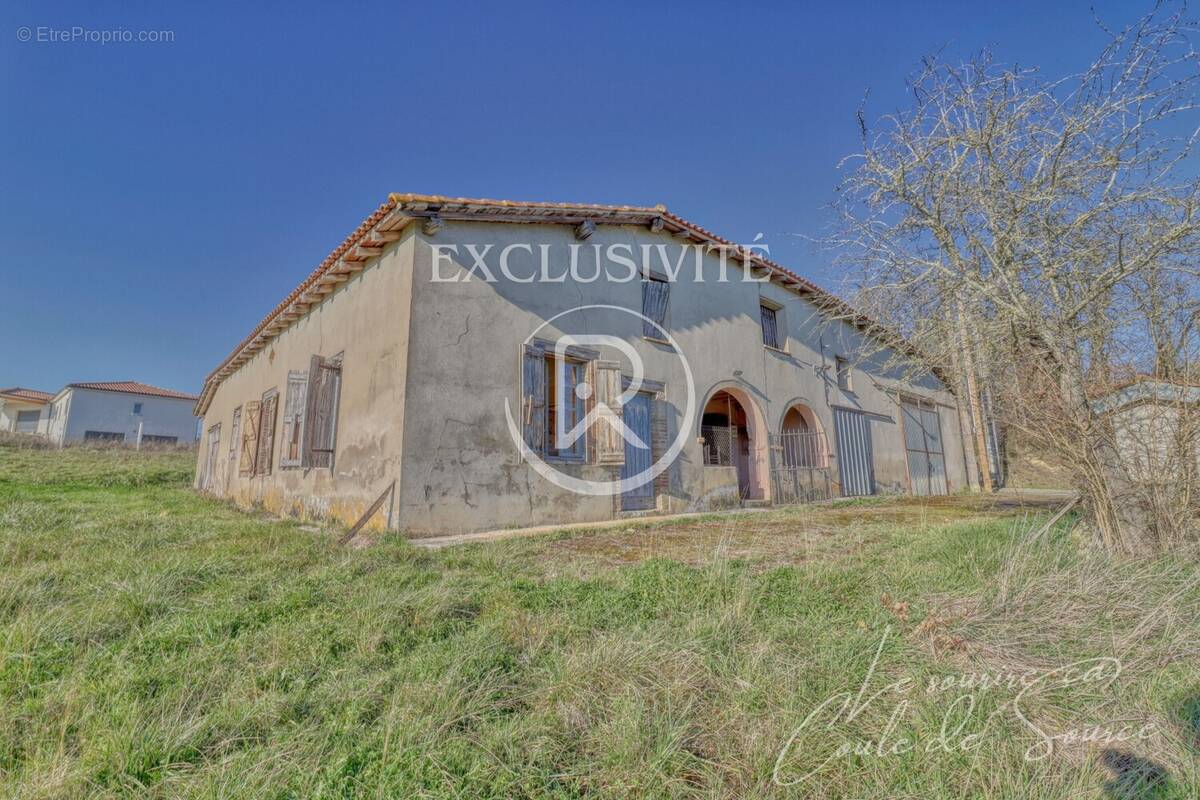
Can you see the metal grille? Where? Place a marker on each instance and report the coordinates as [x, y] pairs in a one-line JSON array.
[[799, 472], [720, 443]]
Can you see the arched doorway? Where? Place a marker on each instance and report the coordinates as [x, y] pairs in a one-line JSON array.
[[800, 457], [804, 442], [734, 435]]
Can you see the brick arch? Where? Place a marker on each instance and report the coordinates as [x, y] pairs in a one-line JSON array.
[[756, 468]]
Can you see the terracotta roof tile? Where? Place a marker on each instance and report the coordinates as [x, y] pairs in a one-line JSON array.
[[31, 395], [526, 212], [133, 387]]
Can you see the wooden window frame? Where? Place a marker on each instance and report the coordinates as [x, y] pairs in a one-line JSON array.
[[268, 414], [535, 413], [294, 407], [324, 380], [235, 433], [581, 369], [248, 452], [656, 302]]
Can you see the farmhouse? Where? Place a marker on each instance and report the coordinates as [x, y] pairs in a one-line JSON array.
[[479, 364], [126, 412]]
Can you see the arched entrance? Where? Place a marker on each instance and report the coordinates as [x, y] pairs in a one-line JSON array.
[[800, 457], [735, 435], [804, 442]]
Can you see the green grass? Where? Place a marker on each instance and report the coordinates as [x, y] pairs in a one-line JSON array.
[[156, 643]]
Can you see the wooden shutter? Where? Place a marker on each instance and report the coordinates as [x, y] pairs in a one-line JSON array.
[[610, 445], [293, 418], [266, 433], [533, 399], [249, 438], [655, 295], [320, 412]]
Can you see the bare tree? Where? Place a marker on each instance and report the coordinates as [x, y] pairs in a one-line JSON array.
[[1053, 224]]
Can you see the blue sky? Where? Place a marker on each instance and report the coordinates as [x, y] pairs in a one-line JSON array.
[[159, 198]]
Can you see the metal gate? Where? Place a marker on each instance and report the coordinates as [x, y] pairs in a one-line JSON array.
[[799, 472], [856, 457]]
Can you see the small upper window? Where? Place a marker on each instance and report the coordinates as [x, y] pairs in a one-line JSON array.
[[137, 408], [842, 367], [656, 293], [770, 325]]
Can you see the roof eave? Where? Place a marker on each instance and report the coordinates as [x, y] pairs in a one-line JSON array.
[[388, 221]]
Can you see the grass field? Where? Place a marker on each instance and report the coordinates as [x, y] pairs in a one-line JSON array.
[[156, 643]]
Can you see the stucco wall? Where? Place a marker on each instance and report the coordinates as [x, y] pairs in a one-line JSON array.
[[427, 367], [461, 470], [365, 319], [9, 409], [94, 410]]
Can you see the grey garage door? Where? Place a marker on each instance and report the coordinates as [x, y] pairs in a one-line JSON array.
[[923, 442], [856, 460]]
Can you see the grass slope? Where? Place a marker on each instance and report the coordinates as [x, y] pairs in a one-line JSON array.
[[160, 644]]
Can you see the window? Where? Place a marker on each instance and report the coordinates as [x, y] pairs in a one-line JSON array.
[[266, 432], [210, 463], [565, 408], [293, 419], [558, 421], [842, 369], [770, 325], [137, 408], [655, 294], [317, 426], [236, 429], [27, 421], [250, 422], [103, 436]]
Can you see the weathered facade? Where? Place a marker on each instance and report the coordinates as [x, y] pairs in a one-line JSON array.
[[426, 355]]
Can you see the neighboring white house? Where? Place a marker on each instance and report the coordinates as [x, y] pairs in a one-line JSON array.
[[24, 410], [121, 411]]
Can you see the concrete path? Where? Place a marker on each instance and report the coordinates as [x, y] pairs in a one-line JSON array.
[[437, 542], [1017, 497]]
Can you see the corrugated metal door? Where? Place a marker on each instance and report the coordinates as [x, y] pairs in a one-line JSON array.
[[636, 416], [923, 442], [856, 460]]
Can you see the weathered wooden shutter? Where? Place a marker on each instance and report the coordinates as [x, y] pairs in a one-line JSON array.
[[655, 295], [320, 412], [610, 444], [293, 418], [266, 433], [249, 438], [533, 399]]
